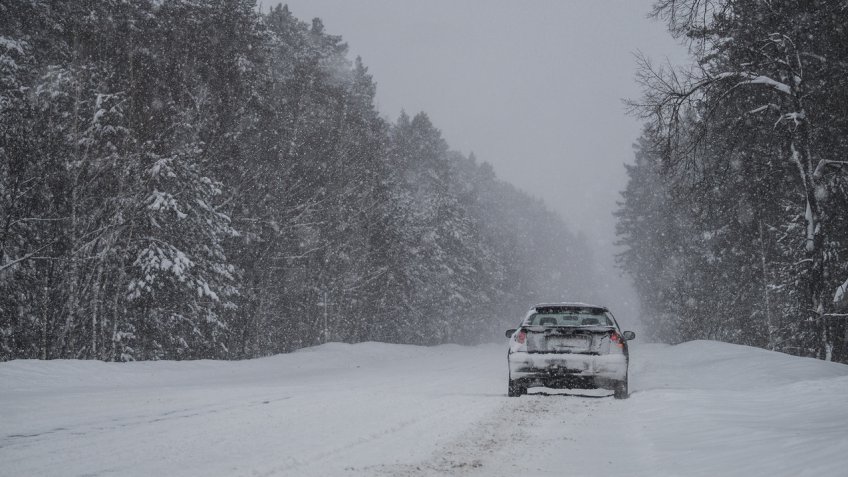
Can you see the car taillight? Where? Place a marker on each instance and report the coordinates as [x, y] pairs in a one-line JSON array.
[[521, 337], [617, 339]]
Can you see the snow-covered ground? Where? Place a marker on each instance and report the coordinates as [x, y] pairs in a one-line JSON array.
[[372, 409]]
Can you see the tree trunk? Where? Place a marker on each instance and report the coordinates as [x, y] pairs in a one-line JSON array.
[[96, 306], [772, 329], [814, 243]]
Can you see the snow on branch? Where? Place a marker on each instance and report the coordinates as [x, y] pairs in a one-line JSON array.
[[751, 78], [765, 107], [841, 290], [824, 163], [10, 44], [796, 118]]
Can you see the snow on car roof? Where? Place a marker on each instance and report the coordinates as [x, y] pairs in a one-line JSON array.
[[574, 304]]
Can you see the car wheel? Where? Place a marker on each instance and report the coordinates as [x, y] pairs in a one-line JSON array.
[[515, 389], [620, 390]]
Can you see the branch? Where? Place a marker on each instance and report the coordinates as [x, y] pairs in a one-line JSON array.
[[25, 257], [37, 219], [824, 163]]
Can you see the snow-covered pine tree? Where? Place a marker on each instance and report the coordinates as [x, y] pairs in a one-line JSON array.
[[181, 284]]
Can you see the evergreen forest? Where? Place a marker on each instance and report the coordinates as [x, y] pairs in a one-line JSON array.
[[187, 179]]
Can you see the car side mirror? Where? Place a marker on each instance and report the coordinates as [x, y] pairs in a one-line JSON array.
[[509, 333], [629, 335]]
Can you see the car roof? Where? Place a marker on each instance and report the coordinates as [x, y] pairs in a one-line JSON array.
[[568, 304]]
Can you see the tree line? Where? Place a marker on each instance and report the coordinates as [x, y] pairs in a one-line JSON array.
[[735, 217], [187, 179]]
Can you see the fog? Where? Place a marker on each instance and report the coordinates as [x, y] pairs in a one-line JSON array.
[[536, 90]]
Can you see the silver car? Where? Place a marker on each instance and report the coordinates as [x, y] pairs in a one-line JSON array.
[[568, 345]]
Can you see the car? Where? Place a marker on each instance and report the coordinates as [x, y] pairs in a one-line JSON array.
[[567, 346]]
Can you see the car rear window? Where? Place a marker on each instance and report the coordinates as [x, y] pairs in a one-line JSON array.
[[569, 317]]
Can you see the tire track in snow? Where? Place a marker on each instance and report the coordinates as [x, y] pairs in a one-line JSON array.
[[474, 450], [117, 423], [538, 435]]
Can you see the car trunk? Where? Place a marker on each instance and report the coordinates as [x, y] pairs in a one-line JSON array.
[[583, 340]]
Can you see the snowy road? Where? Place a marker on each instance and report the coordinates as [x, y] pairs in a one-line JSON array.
[[372, 409]]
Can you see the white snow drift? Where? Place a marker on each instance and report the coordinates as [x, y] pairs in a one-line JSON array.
[[372, 409]]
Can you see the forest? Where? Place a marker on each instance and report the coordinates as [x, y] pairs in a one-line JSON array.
[[734, 221], [187, 179]]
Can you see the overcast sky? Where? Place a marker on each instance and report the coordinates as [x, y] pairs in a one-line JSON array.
[[535, 88]]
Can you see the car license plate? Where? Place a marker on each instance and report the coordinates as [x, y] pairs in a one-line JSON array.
[[568, 343]]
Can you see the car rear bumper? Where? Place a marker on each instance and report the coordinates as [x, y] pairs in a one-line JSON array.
[[551, 367]]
